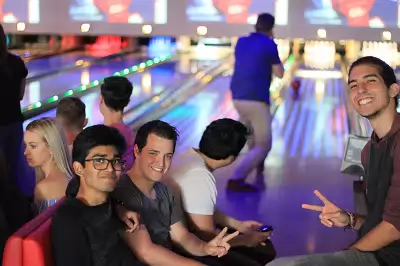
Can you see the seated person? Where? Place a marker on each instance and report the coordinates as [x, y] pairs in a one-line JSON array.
[[71, 116], [46, 150], [115, 95], [161, 227], [191, 177], [374, 94], [85, 231]]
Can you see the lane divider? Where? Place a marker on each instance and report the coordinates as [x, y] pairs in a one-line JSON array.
[[94, 84]]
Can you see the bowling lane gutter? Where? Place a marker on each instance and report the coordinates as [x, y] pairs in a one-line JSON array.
[[51, 103], [52, 53], [88, 63], [170, 99]]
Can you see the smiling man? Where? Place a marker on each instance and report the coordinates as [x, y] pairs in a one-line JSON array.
[[374, 94], [161, 230]]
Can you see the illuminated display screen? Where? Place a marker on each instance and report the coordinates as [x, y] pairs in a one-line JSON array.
[[119, 11], [236, 11], [13, 11], [353, 13]]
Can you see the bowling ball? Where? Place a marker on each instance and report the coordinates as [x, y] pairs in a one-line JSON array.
[[295, 84]]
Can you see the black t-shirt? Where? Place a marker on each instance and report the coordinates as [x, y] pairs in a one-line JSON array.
[[84, 235], [11, 79], [156, 214]]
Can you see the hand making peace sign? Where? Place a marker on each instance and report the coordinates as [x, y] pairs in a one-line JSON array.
[[331, 215], [219, 245]]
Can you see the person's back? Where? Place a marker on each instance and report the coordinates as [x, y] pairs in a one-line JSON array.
[[254, 56], [115, 96], [129, 136], [11, 82], [13, 74]]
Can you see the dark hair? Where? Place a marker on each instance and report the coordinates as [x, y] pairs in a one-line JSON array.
[[116, 92], [159, 128], [385, 71], [72, 111], [223, 138], [265, 22], [94, 136]]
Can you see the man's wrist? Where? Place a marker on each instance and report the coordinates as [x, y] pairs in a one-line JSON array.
[[352, 222], [235, 224]]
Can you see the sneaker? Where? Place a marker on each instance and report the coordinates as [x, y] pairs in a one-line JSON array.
[[240, 186]]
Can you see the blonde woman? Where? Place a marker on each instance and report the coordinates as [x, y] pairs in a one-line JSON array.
[[46, 150]]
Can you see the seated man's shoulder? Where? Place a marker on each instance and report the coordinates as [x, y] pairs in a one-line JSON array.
[[70, 210]]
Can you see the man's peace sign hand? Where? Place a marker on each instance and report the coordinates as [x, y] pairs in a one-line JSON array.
[[219, 245], [331, 215]]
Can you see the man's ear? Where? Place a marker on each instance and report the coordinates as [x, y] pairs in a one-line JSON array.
[[136, 151], [85, 122], [78, 168], [394, 90]]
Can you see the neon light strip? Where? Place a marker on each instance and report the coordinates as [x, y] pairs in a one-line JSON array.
[[127, 71]]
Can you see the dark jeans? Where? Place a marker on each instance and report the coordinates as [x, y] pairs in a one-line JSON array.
[[11, 137]]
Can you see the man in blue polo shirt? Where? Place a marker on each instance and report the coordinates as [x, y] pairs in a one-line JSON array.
[[256, 60]]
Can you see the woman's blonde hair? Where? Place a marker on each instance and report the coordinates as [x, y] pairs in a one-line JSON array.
[[54, 138]]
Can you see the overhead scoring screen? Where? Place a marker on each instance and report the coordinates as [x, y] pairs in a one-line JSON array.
[[353, 13], [119, 11], [236, 11], [12, 11]]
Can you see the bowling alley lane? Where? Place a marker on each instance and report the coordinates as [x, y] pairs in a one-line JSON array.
[[47, 87], [146, 85], [46, 64], [309, 133]]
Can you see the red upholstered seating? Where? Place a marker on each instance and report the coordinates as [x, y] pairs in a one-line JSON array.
[[30, 245]]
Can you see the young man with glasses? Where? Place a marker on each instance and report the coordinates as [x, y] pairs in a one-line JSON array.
[[85, 230]]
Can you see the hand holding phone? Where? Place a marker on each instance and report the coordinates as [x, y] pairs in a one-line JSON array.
[[266, 228]]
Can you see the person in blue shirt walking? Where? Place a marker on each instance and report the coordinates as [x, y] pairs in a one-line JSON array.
[[256, 60]]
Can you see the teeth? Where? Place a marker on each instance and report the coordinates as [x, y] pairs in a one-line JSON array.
[[364, 101], [157, 169]]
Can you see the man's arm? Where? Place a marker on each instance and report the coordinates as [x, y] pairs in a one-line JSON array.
[[277, 67], [206, 230], [188, 241], [69, 244], [223, 220], [149, 253]]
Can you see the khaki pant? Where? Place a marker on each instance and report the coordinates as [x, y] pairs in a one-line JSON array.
[[257, 116]]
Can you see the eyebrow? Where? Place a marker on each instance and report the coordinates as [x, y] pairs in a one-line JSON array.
[[170, 153], [364, 77], [102, 155]]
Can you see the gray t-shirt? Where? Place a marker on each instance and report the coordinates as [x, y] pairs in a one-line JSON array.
[[156, 214]]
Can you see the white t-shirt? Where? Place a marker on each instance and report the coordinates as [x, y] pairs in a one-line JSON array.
[[193, 183]]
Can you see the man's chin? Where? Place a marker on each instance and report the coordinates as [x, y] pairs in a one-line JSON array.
[[370, 115]]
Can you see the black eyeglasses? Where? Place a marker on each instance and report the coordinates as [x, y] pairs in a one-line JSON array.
[[102, 163]]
